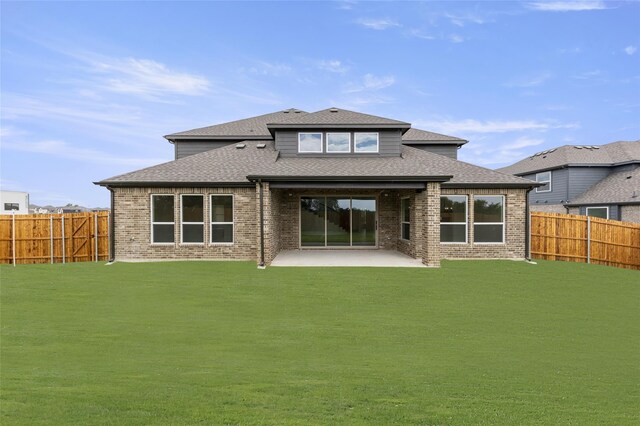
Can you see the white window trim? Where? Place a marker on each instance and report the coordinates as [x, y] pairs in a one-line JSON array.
[[355, 142], [311, 133], [544, 181], [338, 133], [503, 223], [232, 223], [163, 223], [182, 223], [597, 207], [402, 222], [465, 223]]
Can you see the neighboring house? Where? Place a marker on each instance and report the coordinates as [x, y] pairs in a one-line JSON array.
[[332, 179], [14, 202], [602, 181]]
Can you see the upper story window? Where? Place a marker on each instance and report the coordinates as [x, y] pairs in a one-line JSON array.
[[338, 142], [366, 142], [310, 142], [544, 177]]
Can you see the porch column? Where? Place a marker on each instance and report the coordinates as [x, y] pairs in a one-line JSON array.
[[431, 225]]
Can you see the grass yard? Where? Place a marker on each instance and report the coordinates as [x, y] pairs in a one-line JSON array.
[[475, 342]]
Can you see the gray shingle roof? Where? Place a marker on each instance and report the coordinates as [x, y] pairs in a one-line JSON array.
[[606, 155], [422, 136], [337, 116], [253, 126], [617, 188], [229, 165]]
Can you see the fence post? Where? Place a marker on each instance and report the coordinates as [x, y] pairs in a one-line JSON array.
[[95, 234], [588, 239], [51, 237], [63, 245], [13, 235]]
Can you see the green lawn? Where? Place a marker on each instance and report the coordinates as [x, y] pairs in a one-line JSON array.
[[475, 342]]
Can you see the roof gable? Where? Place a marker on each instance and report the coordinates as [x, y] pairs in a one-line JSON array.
[[422, 136]]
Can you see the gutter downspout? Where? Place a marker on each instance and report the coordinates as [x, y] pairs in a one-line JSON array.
[[112, 228], [261, 264], [527, 227]]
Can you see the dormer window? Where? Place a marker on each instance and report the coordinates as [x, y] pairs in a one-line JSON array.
[[310, 142], [338, 142], [366, 142]]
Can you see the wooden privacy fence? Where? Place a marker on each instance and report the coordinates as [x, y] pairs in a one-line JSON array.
[[586, 239], [54, 238]]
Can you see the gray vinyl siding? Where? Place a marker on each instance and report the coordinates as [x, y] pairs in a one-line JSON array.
[[559, 188], [450, 151], [583, 178], [186, 148], [389, 142], [614, 211]]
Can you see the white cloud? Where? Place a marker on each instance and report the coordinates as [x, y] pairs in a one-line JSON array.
[[378, 24], [268, 68], [456, 38], [371, 82], [333, 65], [414, 32], [468, 18], [449, 126], [147, 78], [566, 6], [61, 149], [496, 153], [587, 75], [630, 50], [529, 81], [524, 142]]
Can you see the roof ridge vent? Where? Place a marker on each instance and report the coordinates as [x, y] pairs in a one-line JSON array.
[[241, 145], [578, 147], [261, 145], [333, 110]]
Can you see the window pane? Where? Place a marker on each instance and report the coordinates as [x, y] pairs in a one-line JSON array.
[[222, 208], [545, 187], [162, 233], [366, 142], [406, 211], [338, 221], [162, 208], [222, 233], [487, 233], [487, 208], [310, 142], [192, 233], [192, 210], [338, 142], [452, 233], [597, 212], [543, 177], [453, 208], [406, 231], [312, 221], [364, 221]]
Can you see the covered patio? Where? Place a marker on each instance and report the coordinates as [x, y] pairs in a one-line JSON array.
[[327, 257]]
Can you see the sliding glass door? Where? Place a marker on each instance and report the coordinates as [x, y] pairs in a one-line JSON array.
[[338, 222]]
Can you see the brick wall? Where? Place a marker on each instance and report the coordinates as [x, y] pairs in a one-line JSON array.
[[515, 220], [133, 226], [630, 213]]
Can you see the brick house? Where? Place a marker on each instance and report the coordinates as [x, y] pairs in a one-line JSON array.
[[332, 179]]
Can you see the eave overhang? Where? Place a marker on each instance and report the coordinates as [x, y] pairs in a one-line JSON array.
[[144, 184]]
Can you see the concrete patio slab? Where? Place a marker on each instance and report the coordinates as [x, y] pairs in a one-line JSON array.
[[375, 258]]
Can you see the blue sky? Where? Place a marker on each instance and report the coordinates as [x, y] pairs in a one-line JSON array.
[[88, 89]]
